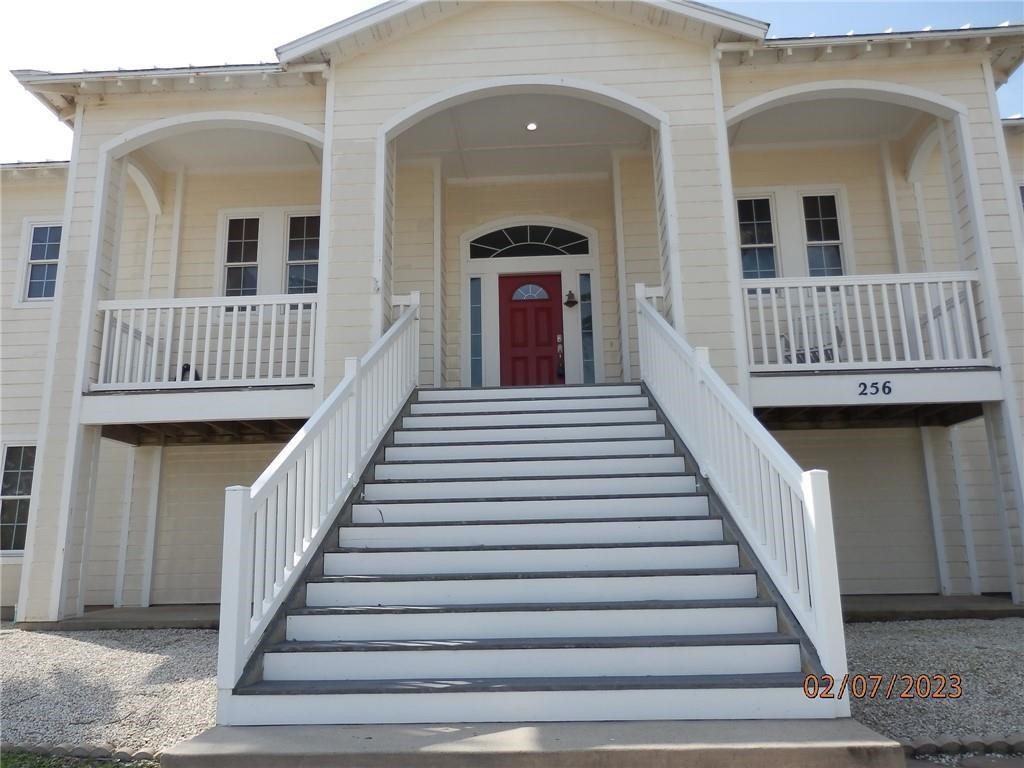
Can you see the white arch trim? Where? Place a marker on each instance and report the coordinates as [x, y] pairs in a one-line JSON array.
[[145, 185], [873, 90], [517, 221], [199, 121], [501, 86], [922, 154], [497, 86]]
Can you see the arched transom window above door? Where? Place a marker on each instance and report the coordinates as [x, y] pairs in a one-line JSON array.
[[529, 240], [529, 292]]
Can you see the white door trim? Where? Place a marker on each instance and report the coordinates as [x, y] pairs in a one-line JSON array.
[[569, 267]]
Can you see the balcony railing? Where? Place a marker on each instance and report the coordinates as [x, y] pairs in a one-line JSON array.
[[926, 320], [208, 342]]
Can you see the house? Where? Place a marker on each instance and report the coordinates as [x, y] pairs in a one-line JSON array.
[[807, 253]]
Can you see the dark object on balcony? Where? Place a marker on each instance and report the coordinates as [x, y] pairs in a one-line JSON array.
[[187, 374]]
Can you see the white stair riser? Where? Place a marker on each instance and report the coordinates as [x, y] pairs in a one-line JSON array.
[[487, 406], [577, 450], [527, 419], [532, 662], [537, 590], [496, 624], [531, 560], [518, 393], [527, 509], [571, 486], [512, 434], [620, 532], [552, 467], [524, 706]]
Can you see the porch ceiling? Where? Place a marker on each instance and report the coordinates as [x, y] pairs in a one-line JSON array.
[[826, 121], [205, 432], [488, 137], [232, 149], [868, 416]]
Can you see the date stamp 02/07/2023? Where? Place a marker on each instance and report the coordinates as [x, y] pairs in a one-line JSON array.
[[891, 686]]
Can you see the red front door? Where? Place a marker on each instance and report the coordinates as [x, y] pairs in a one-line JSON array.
[[530, 316]]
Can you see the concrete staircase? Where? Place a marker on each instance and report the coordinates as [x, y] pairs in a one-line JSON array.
[[531, 554]]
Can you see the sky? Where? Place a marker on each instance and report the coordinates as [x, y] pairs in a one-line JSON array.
[[70, 35]]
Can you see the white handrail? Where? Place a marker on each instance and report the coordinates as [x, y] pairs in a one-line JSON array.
[[784, 513], [273, 529], [206, 342], [919, 320]]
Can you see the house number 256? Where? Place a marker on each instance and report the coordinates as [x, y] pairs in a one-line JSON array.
[[865, 388]]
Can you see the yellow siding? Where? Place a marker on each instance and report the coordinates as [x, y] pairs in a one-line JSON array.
[[879, 503], [496, 40], [857, 169], [190, 520], [640, 238], [414, 253], [26, 326]]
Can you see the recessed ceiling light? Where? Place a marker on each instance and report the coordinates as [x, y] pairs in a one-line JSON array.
[[531, 126]]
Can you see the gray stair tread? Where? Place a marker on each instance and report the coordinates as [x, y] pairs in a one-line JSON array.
[[524, 547], [536, 478], [372, 579], [514, 459], [499, 685], [448, 428], [514, 643], [630, 605], [521, 412], [533, 521], [542, 442], [621, 496]]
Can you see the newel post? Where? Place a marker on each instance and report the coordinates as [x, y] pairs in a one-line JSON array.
[[235, 588], [708, 446], [641, 340], [826, 605], [414, 374]]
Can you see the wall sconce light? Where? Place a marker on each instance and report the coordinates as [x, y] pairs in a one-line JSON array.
[[570, 300]]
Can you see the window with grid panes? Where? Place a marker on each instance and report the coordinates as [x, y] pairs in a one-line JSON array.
[[15, 495], [241, 275], [824, 241], [303, 254], [44, 250], [757, 238]]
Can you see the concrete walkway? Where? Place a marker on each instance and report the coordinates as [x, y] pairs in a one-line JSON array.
[[695, 744]]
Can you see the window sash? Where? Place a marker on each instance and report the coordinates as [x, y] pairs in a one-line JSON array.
[[242, 256], [759, 227], [15, 495], [43, 259], [823, 248], [302, 254]]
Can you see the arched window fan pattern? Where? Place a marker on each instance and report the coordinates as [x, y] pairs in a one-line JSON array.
[[529, 240], [530, 292]]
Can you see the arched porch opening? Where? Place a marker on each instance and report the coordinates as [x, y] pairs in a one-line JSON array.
[[533, 151]]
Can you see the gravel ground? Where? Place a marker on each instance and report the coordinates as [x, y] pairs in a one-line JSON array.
[[149, 689], [130, 689], [985, 653]]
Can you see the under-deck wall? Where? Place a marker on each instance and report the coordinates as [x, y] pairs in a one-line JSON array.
[[879, 503], [190, 518]]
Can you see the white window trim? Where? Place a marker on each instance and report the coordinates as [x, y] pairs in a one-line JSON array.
[[272, 251], [29, 223], [790, 232], [17, 555]]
